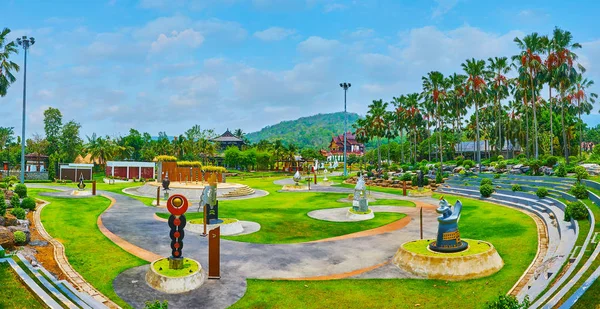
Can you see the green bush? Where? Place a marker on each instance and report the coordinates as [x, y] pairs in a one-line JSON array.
[[28, 203], [462, 172], [20, 237], [561, 170], [156, 305], [508, 302], [15, 201], [21, 190], [551, 161], [535, 166], [581, 173], [406, 177], [486, 190], [573, 159], [468, 164], [439, 177], [501, 165], [516, 187], [405, 167], [541, 192], [19, 213], [497, 176], [486, 181], [415, 180], [579, 191], [521, 156], [2, 204], [576, 210]]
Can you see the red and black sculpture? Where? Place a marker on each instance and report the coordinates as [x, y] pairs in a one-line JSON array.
[[177, 205]]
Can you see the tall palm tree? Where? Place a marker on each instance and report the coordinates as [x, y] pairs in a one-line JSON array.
[[499, 67], [376, 112], [7, 67], [456, 97], [389, 131], [531, 63], [434, 91], [400, 120], [585, 100], [475, 88]]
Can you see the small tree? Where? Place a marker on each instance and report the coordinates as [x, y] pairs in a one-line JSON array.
[[486, 190], [576, 210], [15, 201], [561, 171], [581, 173], [21, 190]]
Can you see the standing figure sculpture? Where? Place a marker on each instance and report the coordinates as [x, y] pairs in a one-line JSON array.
[[297, 177], [209, 200], [81, 184], [448, 236], [165, 184], [360, 203]]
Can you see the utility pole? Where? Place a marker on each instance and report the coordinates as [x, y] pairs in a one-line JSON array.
[[25, 42], [345, 86]]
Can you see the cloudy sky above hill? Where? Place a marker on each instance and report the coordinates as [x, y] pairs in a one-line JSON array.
[[159, 65]]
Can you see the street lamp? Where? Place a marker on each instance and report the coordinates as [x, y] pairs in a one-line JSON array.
[[345, 86], [25, 42]]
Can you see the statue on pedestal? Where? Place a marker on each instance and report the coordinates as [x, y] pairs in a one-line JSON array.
[[448, 236], [81, 184], [360, 203], [325, 172], [297, 177], [209, 199], [165, 184]]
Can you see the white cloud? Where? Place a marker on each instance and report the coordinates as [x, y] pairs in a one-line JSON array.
[[330, 7], [318, 45], [187, 38], [274, 34], [442, 7]]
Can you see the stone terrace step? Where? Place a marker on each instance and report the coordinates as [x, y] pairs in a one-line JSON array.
[[42, 295]]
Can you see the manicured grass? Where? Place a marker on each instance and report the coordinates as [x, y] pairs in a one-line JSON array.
[[162, 267], [15, 294], [95, 257], [420, 247], [514, 234], [283, 215], [115, 188]]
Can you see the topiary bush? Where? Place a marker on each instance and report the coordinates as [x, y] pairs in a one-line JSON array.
[[579, 191], [15, 201], [500, 157], [18, 212], [21, 190], [561, 170], [20, 237], [486, 181], [501, 165], [468, 163], [576, 210], [28, 203], [516, 187], [486, 190], [541, 192], [581, 173], [551, 161]]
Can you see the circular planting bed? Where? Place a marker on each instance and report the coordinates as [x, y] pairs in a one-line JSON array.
[[173, 281], [360, 216], [480, 259]]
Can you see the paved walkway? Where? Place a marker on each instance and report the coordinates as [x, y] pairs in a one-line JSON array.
[[342, 257]]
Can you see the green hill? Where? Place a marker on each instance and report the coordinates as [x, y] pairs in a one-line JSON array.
[[313, 131]]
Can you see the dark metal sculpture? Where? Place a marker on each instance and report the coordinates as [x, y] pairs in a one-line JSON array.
[[177, 205], [448, 236], [420, 178], [81, 184], [166, 182]]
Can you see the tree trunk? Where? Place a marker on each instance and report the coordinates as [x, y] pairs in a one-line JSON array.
[[535, 133], [551, 112], [378, 152], [580, 128], [477, 136], [565, 142], [429, 139], [440, 148], [401, 145]]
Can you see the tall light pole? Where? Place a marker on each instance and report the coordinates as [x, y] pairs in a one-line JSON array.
[[25, 42], [345, 86]]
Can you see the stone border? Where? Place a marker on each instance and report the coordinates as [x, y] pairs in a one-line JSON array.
[[63, 263]]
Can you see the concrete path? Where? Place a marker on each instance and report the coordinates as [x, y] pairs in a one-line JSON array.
[[134, 222]]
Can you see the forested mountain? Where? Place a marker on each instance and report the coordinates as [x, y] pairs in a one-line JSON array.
[[313, 131]]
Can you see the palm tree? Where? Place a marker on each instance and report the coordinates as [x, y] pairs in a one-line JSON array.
[[414, 117], [532, 64], [239, 133], [389, 132], [7, 67], [400, 120], [499, 67], [375, 115], [475, 87], [585, 102], [434, 92], [362, 133], [456, 96]]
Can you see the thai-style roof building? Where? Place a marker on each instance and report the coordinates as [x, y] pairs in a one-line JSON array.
[[227, 139], [336, 146]]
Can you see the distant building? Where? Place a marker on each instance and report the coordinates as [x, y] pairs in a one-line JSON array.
[[468, 149], [228, 139], [35, 162], [336, 147]]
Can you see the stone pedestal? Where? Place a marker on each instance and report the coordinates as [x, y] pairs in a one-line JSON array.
[[359, 217], [175, 285]]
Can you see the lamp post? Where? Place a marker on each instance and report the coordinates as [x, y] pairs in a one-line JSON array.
[[25, 42], [345, 86]]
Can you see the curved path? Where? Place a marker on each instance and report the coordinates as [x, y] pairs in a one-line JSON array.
[[132, 221]]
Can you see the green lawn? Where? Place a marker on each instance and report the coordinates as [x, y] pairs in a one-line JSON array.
[[15, 294], [95, 257], [283, 215], [513, 233], [115, 188]]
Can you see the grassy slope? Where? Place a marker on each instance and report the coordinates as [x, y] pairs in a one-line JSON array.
[[95, 257], [14, 294], [513, 233]]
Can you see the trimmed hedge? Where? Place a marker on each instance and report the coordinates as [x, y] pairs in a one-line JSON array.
[[38, 181], [541, 192], [165, 158], [189, 164], [28, 203], [486, 190]]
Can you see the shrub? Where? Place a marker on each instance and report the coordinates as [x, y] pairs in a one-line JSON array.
[[20, 237], [19, 213], [462, 172], [579, 191], [501, 165], [576, 210], [500, 157], [573, 159], [21, 190], [581, 173], [486, 190], [516, 187], [521, 156], [28, 203], [486, 181], [415, 180], [508, 302], [15, 201], [406, 177], [165, 158], [2, 204], [541, 192], [405, 167], [551, 161], [468, 164], [561, 170], [497, 176], [189, 164], [439, 177], [156, 305], [535, 166]]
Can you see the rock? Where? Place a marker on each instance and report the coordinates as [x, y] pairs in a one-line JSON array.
[[457, 169], [7, 239], [38, 243], [10, 220], [2, 221], [23, 229]]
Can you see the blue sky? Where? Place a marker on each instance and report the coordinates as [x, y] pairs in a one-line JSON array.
[[159, 65]]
